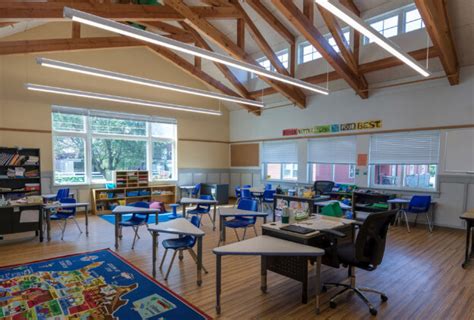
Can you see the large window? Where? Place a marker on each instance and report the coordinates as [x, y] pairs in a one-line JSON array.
[[412, 20], [332, 159], [265, 63], [306, 52], [280, 160], [404, 160], [89, 145]]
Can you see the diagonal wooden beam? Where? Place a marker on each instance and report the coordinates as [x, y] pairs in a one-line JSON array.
[[53, 11], [365, 68], [223, 68], [308, 10], [229, 46], [349, 4], [241, 33], [312, 34], [217, 3], [435, 17], [163, 26], [76, 30], [273, 21], [197, 73], [352, 6], [294, 92], [338, 35]]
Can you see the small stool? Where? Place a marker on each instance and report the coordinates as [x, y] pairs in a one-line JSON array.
[[174, 206]]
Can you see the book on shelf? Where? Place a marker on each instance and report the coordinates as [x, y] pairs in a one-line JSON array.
[[15, 159]]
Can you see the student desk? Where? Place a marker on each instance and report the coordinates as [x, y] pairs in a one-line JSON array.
[[403, 202], [19, 218], [469, 218], [295, 267], [49, 208], [181, 227], [187, 201], [186, 189], [120, 210], [234, 212], [267, 247], [310, 202]]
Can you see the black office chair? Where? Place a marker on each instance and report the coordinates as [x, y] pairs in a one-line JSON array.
[[323, 186], [366, 253]]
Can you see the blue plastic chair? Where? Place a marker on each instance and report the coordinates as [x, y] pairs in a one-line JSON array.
[[417, 205], [202, 208], [179, 244], [62, 194], [244, 222], [136, 220], [268, 196], [65, 214], [268, 186], [196, 190]]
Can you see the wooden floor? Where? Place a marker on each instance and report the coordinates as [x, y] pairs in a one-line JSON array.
[[421, 274]]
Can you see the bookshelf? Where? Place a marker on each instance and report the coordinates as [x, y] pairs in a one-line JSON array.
[[104, 200], [20, 173], [130, 179]]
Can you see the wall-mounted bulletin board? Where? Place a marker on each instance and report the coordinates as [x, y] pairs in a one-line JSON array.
[[244, 155]]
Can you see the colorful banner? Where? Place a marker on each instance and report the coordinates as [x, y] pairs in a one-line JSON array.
[[334, 128]]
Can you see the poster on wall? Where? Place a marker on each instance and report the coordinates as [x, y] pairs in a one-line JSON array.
[[334, 128]]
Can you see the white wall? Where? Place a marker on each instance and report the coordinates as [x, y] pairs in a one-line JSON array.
[[430, 104]]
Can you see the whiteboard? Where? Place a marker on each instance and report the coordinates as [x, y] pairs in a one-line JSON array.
[[459, 151]]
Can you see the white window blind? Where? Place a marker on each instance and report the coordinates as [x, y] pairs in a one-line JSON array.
[[280, 152], [405, 148], [340, 150]]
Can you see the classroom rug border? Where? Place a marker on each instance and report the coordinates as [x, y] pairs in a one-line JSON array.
[[133, 266]]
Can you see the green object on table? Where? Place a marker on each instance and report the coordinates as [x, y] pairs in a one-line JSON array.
[[380, 205], [332, 210]]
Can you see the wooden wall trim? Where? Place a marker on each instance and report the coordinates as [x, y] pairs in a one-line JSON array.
[[25, 130], [359, 133], [202, 140]]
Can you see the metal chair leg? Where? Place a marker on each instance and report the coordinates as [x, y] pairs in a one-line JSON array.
[[430, 223], [135, 237], [77, 224], [171, 264], [210, 218], [245, 232], [236, 234], [194, 256], [406, 220], [63, 229], [163, 259], [255, 229]]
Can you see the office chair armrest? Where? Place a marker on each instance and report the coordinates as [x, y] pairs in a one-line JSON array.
[[332, 232]]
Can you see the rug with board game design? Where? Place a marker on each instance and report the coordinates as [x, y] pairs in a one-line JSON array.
[[92, 285]]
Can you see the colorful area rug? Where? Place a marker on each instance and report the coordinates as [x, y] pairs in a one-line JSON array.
[[93, 285], [162, 217]]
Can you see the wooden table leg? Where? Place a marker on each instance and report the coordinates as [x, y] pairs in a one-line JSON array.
[[154, 236], [199, 261], [218, 284], [318, 283], [87, 221], [214, 219], [263, 274]]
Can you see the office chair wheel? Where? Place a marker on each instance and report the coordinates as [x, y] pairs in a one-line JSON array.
[[373, 311], [383, 297], [332, 304]]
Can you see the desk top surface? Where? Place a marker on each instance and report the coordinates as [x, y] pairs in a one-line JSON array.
[[196, 201], [130, 209], [65, 205], [296, 198], [177, 226], [187, 187], [468, 215], [268, 246], [326, 203], [404, 200], [234, 212], [318, 222]]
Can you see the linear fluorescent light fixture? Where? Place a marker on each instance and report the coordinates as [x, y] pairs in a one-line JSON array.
[[360, 25], [160, 40], [106, 97], [142, 81]]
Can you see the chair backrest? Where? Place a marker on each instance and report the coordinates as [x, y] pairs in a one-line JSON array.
[[237, 192], [141, 216], [323, 186], [70, 211], [268, 194], [370, 242], [419, 204], [62, 193], [268, 186], [248, 204], [246, 186], [196, 221], [196, 189], [245, 194], [207, 207]]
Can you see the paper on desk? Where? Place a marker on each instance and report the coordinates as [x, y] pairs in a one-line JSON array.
[[29, 216]]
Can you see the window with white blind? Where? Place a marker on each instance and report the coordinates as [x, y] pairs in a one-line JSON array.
[[280, 160], [332, 159], [407, 160], [89, 145]]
